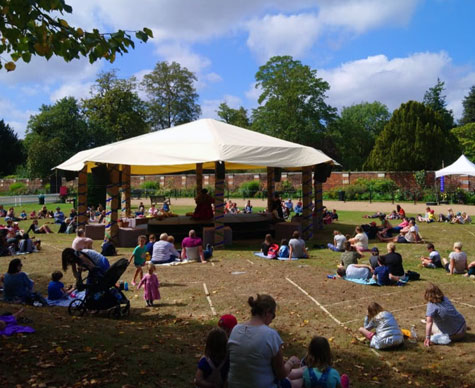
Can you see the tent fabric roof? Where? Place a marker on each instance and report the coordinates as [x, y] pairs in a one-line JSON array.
[[462, 166], [204, 141]]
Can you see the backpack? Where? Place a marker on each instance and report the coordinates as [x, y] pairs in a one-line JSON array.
[[284, 251], [273, 250], [215, 376], [412, 275]]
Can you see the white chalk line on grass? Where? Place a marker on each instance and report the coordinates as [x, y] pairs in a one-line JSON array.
[[366, 297], [335, 319], [463, 303], [392, 311], [52, 246], [213, 311], [315, 301], [249, 261]]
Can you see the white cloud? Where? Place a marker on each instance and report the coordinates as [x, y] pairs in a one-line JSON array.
[[78, 90], [209, 107], [252, 94], [363, 15], [15, 117], [394, 81], [282, 35]]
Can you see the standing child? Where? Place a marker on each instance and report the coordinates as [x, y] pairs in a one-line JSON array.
[[387, 333], [213, 367], [318, 371], [151, 285], [139, 257]]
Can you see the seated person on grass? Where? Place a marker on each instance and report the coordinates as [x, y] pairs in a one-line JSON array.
[[297, 247], [349, 256], [339, 241], [382, 275], [471, 269], [393, 260], [192, 248], [56, 288], [374, 258], [433, 261], [81, 242], [360, 241], [457, 263]]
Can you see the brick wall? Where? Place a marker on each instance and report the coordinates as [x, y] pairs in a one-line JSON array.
[[234, 180]]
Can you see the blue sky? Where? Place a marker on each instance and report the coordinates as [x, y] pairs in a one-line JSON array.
[[386, 50]]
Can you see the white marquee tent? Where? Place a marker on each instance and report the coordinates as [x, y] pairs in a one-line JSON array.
[[462, 166], [203, 141]]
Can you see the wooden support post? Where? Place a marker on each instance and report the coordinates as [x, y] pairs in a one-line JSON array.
[[220, 173], [125, 191], [82, 198], [307, 224], [270, 187], [112, 204], [318, 192], [199, 178]]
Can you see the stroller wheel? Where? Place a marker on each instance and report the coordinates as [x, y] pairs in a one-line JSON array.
[[77, 307], [125, 310], [115, 312]]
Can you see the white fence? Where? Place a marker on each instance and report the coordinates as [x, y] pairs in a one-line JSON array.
[[18, 200]]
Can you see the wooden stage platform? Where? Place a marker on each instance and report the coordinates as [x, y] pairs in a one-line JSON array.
[[243, 225]]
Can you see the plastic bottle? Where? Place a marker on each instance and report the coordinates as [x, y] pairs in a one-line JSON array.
[[413, 337], [126, 286]]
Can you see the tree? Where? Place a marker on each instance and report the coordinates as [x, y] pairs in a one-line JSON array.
[[292, 102], [12, 150], [469, 107], [356, 130], [54, 135], [114, 111], [30, 27], [232, 116], [172, 95], [434, 99], [466, 137], [412, 140]]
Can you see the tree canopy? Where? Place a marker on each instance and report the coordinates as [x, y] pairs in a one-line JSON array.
[[355, 131], [30, 27], [114, 111], [466, 137], [12, 150], [469, 107], [434, 99], [292, 102], [172, 95], [54, 135], [412, 140], [233, 116]]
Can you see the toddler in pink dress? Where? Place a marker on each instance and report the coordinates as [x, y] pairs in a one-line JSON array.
[[151, 285]]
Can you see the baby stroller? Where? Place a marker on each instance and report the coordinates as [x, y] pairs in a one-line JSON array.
[[102, 293]]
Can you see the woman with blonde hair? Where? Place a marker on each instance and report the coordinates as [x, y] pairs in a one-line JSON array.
[[442, 316]]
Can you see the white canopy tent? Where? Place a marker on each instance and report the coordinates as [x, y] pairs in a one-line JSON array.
[[199, 145], [203, 141], [462, 166]]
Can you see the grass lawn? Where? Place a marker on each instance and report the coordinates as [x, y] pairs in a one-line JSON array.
[[160, 346]]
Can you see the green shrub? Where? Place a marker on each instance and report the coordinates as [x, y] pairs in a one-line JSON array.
[[18, 188], [149, 186], [249, 189]]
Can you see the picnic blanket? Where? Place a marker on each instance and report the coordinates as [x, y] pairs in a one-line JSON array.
[[12, 327], [369, 282], [262, 256], [66, 301]]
